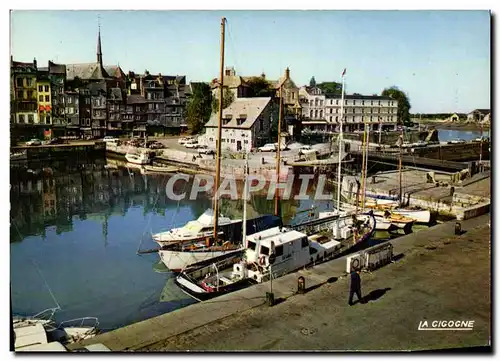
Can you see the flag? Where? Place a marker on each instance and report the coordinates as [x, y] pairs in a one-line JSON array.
[[343, 73]]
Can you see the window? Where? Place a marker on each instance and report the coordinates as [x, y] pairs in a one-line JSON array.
[[21, 118], [336, 118], [321, 102], [316, 114], [47, 98], [345, 102], [40, 98], [226, 121], [293, 95], [47, 119], [379, 102], [30, 94], [331, 110], [372, 102], [251, 245], [148, 96], [337, 110], [223, 140], [353, 102], [87, 101], [363, 102], [19, 82], [264, 250], [28, 82], [331, 118], [312, 103], [278, 251], [31, 118], [337, 102], [311, 114], [240, 121], [371, 118], [305, 242], [316, 102], [40, 88], [232, 140], [46, 88], [321, 114], [246, 141]]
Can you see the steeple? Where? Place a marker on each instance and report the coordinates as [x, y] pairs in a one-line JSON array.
[[99, 52]]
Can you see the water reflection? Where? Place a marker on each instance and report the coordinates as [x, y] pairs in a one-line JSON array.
[[82, 224]]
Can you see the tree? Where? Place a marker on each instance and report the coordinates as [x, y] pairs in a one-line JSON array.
[[199, 107], [260, 87], [331, 87], [227, 99], [312, 82], [404, 105]]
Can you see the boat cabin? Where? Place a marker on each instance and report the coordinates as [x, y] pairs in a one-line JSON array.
[[291, 250]]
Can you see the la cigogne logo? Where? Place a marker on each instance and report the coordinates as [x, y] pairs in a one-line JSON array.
[[446, 325]]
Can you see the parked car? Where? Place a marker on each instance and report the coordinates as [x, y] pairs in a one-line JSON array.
[[269, 147], [156, 145], [193, 144], [406, 145], [109, 138], [184, 140], [33, 141], [421, 143], [55, 141], [456, 141], [205, 150]]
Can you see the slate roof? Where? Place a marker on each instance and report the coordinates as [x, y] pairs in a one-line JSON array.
[[136, 99], [482, 111], [114, 70], [97, 88], [230, 81], [56, 68], [85, 71], [251, 107]]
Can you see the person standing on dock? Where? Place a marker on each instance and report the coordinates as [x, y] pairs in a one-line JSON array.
[[355, 286]]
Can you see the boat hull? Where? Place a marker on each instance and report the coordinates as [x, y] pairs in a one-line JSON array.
[[419, 216], [176, 261]]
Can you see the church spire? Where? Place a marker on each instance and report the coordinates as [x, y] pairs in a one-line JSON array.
[[99, 52]]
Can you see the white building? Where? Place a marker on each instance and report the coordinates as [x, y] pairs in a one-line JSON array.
[[246, 124], [322, 112]]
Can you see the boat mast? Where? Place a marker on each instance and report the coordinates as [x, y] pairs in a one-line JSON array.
[[363, 167], [245, 191], [367, 125], [339, 166], [219, 129], [401, 167], [278, 152]]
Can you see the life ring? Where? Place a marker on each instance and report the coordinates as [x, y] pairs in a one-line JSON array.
[[354, 263], [262, 260]]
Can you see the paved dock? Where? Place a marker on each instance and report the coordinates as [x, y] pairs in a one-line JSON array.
[[420, 287]]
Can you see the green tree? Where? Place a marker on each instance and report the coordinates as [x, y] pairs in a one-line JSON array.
[[331, 87], [260, 87], [312, 82], [404, 105], [227, 99], [199, 107]]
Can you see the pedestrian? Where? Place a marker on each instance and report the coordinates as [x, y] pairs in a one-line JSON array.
[[355, 286]]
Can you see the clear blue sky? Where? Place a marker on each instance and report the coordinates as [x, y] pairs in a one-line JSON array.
[[440, 58]]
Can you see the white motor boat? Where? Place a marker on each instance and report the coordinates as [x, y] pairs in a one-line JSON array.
[[196, 230], [140, 158], [271, 253]]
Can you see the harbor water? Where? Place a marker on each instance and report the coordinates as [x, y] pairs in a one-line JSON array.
[[75, 232]]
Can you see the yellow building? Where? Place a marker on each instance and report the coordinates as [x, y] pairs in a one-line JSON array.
[[44, 98]]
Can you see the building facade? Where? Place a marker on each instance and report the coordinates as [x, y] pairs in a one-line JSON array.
[[24, 100], [44, 97], [322, 112], [246, 125]]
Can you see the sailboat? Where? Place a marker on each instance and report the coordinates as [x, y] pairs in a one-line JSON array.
[[185, 247], [270, 254]]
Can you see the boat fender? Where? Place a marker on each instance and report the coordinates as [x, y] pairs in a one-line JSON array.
[[262, 260]]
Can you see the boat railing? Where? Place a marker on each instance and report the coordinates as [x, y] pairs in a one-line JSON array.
[[80, 322], [47, 314]]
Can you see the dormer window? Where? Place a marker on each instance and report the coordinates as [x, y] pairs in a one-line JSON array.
[[242, 118], [225, 121]]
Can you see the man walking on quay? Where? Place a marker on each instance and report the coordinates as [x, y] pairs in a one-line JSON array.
[[355, 286]]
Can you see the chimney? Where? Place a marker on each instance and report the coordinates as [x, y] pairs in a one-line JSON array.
[[34, 63], [287, 73], [263, 75]]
